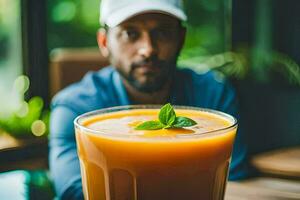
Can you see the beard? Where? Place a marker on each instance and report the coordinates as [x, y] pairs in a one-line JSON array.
[[149, 75]]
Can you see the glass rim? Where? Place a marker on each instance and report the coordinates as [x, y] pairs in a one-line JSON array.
[[151, 106]]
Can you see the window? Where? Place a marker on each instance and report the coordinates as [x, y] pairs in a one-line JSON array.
[[22, 51], [10, 50], [75, 23]]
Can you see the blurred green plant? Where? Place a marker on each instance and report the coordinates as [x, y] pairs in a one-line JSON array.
[[250, 64], [74, 23], [25, 118], [39, 185], [208, 42]]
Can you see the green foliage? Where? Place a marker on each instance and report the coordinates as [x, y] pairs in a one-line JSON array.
[[259, 66], [21, 123], [207, 45], [75, 23], [22, 118], [39, 186], [72, 23], [252, 64]]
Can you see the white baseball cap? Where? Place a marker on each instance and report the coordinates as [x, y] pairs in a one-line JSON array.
[[114, 12]]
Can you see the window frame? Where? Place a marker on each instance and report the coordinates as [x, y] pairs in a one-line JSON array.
[[34, 47]]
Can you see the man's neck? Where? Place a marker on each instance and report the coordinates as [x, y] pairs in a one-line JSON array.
[[158, 97]]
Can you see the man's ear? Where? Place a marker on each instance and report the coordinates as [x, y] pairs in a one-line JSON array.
[[102, 42]]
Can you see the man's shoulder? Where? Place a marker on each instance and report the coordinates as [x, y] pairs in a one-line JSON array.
[[204, 79], [82, 95], [209, 90]]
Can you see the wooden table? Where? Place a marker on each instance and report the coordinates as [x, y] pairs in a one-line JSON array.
[[281, 164], [263, 188], [28, 154]]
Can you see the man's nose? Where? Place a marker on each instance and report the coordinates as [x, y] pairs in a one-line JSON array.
[[147, 46]]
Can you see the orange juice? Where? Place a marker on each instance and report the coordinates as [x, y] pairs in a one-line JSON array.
[[120, 163]]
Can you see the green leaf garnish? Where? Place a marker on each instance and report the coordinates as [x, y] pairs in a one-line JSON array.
[[167, 115], [167, 119], [183, 122], [150, 125]]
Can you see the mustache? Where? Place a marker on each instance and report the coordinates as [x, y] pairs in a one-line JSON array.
[[152, 61]]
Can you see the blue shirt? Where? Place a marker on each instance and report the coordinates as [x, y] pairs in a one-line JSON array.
[[105, 89]]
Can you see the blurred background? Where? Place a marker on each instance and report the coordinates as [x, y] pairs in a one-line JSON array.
[[254, 43]]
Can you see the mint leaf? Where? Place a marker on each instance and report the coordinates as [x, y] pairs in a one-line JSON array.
[[150, 125], [183, 122], [167, 119], [167, 115]]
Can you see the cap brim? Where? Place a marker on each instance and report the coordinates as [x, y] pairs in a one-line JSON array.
[[144, 7]]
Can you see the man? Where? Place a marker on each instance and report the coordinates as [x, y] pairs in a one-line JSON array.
[[142, 40]]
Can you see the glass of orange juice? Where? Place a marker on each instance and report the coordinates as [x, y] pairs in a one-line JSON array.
[[118, 162]]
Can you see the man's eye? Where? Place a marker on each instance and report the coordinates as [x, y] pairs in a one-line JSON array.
[[163, 34], [131, 34]]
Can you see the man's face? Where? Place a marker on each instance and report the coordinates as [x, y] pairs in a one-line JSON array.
[[144, 49]]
